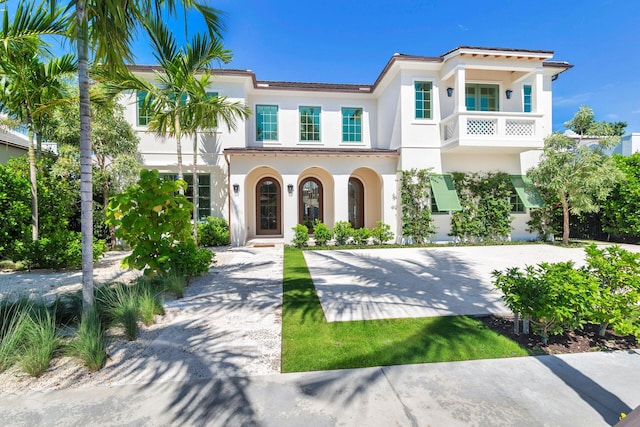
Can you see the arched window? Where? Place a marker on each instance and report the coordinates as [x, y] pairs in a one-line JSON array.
[[356, 203], [310, 202], [268, 207]]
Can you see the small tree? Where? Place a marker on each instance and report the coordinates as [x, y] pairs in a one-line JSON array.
[[579, 176], [154, 219]]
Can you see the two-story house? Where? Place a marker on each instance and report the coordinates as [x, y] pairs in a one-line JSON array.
[[333, 152]]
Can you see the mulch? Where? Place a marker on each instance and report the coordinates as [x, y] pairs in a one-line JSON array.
[[575, 341]]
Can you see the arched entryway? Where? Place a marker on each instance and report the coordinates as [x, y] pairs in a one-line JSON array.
[[356, 203], [310, 208], [268, 207]]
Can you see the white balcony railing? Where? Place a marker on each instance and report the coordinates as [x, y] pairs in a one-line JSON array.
[[496, 129]]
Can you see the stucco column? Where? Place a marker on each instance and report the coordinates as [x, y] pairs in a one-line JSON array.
[[391, 201], [237, 222], [459, 92], [537, 91], [289, 206], [341, 197]]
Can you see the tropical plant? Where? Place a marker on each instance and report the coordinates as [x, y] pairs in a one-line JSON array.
[[31, 84], [618, 272], [151, 217], [620, 211], [579, 176], [361, 236], [301, 235], [213, 232], [555, 297], [381, 233], [321, 233], [342, 231]]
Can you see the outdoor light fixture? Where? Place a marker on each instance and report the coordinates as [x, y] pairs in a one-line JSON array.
[[449, 92], [236, 188], [290, 188], [508, 92]]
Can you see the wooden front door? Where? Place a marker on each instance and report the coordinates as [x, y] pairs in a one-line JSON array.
[[268, 207]]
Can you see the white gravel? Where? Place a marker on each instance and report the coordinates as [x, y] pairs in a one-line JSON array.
[[228, 324]]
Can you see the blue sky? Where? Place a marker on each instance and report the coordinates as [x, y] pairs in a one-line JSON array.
[[350, 42]]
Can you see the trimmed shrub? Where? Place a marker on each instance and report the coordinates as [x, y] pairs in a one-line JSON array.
[[321, 233], [301, 236], [361, 236], [62, 250], [342, 231], [186, 259], [213, 232], [381, 233]]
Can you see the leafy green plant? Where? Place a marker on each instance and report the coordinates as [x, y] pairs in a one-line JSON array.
[[301, 235], [342, 231], [186, 259], [486, 209], [152, 217], [88, 342], [618, 273], [321, 233], [361, 236], [554, 297], [213, 232], [381, 233], [415, 192], [619, 211], [61, 250]]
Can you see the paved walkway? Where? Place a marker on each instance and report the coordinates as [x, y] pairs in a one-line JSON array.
[[199, 373], [369, 284]]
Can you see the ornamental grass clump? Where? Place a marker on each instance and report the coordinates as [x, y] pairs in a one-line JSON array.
[[88, 342], [13, 322], [40, 341]]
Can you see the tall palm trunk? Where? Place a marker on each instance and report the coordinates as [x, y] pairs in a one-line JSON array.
[[195, 187], [33, 178], [86, 184], [179, 148]]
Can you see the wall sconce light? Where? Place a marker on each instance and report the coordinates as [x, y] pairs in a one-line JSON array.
[[290, 189], [508, 92], [236, 189], [449, 92]]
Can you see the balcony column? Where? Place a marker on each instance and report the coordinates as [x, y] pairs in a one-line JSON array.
[[537, 91], [459, 92]]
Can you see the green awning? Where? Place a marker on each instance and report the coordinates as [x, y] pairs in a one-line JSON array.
[[527, 192], [445, 193]]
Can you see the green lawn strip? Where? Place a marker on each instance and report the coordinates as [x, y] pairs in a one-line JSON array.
[[310, 343]]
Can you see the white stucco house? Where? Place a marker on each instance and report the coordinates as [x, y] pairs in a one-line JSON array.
[[334, 151]]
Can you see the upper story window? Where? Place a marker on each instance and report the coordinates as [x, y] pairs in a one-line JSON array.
[[352, 125], [310, 124], [526, 98], [481, 97], [423, 100], [267, 122], [144, 112]]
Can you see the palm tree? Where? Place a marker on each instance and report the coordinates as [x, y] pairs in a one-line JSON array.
[[29, 89], [178, 100], [110, 27]]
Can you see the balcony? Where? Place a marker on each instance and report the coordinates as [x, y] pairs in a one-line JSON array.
[[481, 131]]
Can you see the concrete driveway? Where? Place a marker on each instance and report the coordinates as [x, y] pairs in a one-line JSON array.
[[369, 284]]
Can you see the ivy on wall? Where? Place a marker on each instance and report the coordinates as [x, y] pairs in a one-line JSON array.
[[415, 195], [486, 208]]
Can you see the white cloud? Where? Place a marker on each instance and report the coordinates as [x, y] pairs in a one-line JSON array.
[[578, 99], [462, 27]]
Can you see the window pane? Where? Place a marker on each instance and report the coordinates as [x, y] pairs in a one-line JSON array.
[[423, 100], [352, 124], [144, 113], [355, 203], [309, 123], [526, 91], [267, 122], [480, 97]]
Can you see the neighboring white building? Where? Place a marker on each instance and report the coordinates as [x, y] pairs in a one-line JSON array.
[[333, 151], [12, 144], [628, 145]]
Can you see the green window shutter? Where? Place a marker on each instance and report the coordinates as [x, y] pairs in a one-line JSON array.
[[527, 192], [445, 193], [526, 98]]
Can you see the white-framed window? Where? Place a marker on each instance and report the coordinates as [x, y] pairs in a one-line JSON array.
[[309, 124], [423, 99], [267, 122], [351, 124]]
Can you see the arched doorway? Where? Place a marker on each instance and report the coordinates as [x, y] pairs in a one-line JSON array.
[[310, 206], [268, 211], [356, 203]]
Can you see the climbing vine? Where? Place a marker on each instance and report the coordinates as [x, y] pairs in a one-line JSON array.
[[486, 208], [415, 192]]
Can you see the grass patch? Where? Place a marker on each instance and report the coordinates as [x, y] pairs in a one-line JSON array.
[[88, 343], [310, 343]]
